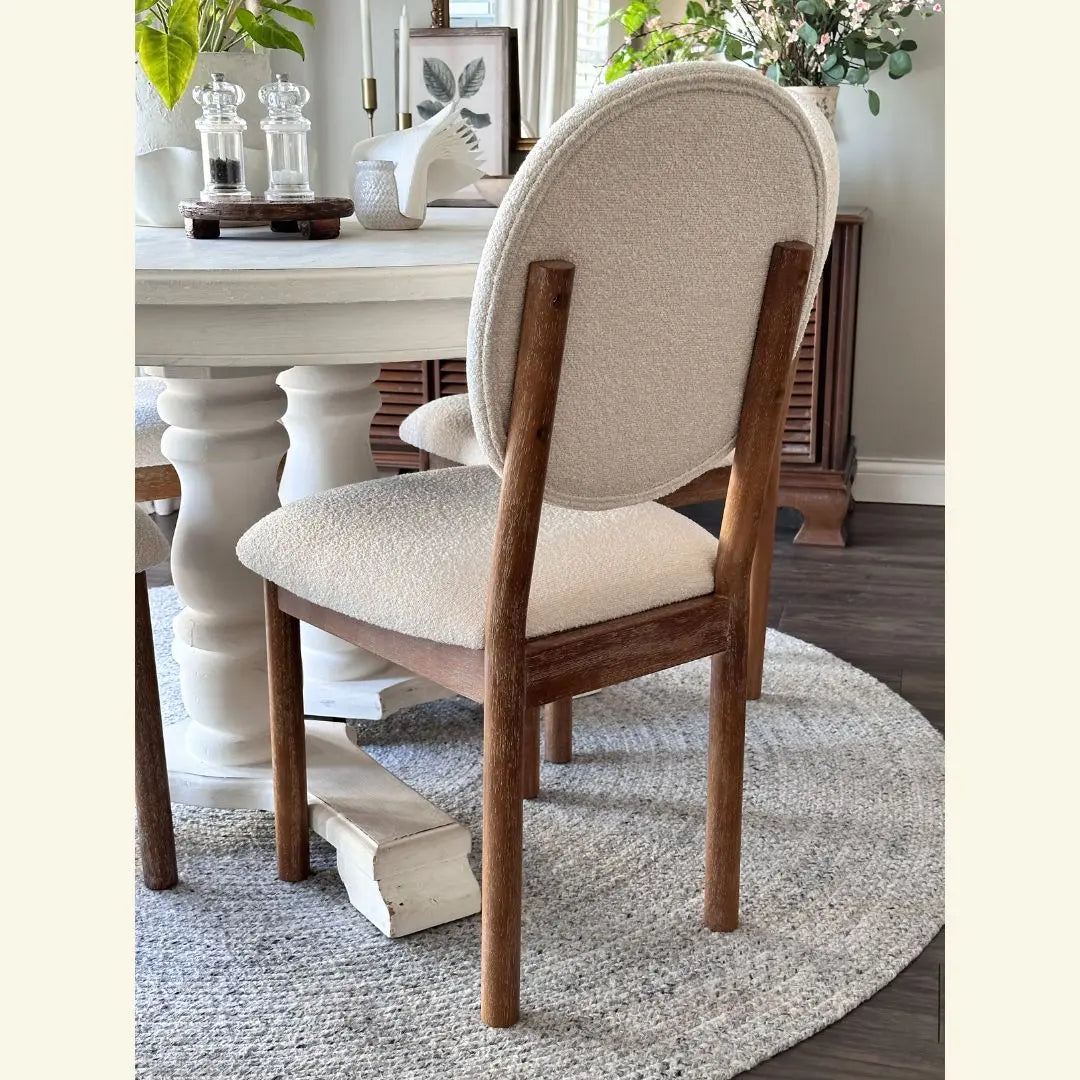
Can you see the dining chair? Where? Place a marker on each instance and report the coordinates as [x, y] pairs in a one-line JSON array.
[[687, 209], [156, 844], [156, 480], [443, 429]]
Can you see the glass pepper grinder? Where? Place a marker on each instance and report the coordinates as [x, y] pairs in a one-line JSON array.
[[222, 140], [286, 140]]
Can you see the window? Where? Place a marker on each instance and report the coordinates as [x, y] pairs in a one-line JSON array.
[[472, 12], [593, 46]]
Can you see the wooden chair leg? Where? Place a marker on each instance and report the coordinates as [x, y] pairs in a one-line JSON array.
[[156, 842], [530, 755], [723, 815], [559, 731], [500, 936], [760, 582], [287, 739]]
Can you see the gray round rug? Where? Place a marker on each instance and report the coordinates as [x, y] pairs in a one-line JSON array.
[[243, 977]]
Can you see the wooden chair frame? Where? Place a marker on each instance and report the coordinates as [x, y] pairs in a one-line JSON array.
[[513, 675], [156, 844], [156, 482]]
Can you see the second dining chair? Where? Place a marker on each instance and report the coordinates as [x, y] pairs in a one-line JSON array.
[[554, 569]]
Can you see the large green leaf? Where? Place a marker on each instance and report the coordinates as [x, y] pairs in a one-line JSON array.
[[184, 21], [808, 34], [168, 62], [142, 5], [267, 33], [293, 12]]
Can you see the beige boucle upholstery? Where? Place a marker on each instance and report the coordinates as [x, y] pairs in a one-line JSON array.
[[151, 547], [149, 427], [413, 553], [667, 190], [444, 427]]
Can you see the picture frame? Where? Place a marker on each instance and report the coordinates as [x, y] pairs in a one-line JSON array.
[[477, 63]]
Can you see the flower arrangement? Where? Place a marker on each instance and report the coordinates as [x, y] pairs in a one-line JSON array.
[[793, 42], [170, 34]]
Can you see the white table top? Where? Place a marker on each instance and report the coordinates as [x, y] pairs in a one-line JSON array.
[[256, 266]]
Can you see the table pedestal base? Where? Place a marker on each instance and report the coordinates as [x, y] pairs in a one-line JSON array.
[[404, 862], [369, 699]]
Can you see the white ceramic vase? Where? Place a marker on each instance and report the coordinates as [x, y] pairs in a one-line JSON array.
[[168, 165], [822, 98], [375, 197]]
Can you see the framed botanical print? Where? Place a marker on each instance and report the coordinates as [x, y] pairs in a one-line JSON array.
[[476, 68]]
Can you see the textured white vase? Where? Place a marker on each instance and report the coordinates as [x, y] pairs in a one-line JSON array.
[[375, 197], [822, 98], [167, 162]]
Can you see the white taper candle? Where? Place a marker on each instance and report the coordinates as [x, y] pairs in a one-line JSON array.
[[403, 62], [365, 39]]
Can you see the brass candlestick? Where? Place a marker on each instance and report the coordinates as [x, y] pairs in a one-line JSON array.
[[371, 102], [404, 120]]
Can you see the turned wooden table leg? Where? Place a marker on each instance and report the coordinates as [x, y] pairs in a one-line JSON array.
[[760, 581]]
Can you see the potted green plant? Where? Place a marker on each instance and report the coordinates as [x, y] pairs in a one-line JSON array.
[[178, 45], [812, 47]]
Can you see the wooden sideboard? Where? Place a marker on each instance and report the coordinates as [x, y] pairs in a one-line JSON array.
[[818, 457]]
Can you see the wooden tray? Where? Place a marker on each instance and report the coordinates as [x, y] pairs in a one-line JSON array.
[[319, 219]]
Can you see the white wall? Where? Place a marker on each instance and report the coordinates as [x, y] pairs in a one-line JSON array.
[[334, 64], [894, 164]]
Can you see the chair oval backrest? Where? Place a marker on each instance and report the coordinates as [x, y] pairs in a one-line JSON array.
[[667, 190]]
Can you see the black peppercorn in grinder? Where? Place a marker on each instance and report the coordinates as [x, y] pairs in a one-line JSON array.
[[222, 132]]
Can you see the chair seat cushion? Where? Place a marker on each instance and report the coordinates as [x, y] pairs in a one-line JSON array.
[[149, 427], [413, 553], [151, 547], [444, 427]]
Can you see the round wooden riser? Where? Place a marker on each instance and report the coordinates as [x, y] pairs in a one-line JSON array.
[[319, 219]]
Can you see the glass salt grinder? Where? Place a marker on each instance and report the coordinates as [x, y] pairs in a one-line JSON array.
[[222, 140], [286, 140]]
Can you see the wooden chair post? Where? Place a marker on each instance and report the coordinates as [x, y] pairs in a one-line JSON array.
[[760, 586], [559, 731], [752, 475], [156, 843], [530, 754], [288, 748], [536, 384]]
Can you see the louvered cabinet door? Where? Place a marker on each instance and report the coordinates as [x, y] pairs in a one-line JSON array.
[[404, 387], [451, 377], [802, 424]]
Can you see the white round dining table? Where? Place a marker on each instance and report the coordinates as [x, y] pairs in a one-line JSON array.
[[269, 342]]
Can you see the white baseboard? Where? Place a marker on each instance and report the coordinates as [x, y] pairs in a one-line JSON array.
[[900, 480]]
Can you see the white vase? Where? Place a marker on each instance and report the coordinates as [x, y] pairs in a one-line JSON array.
[[822, 98], [168, 166]]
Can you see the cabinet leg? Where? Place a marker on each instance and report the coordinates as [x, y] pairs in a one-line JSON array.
[[824, 515]]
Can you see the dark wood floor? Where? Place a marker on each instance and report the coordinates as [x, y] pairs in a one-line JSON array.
[[880, 604]]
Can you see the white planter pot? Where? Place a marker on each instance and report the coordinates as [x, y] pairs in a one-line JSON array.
[[822, 98], [167, 161]]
